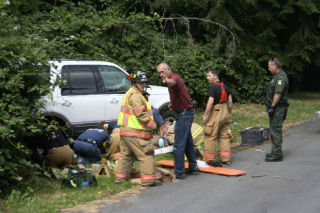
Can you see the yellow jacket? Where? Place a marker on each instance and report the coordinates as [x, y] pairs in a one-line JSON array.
[[136, 118]]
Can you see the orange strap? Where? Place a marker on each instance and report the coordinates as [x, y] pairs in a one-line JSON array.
[[223, 97]]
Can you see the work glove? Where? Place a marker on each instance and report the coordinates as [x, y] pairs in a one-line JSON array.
[[271, 111], [160, 142]]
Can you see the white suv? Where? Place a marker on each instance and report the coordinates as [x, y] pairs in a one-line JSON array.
[[92, 92]]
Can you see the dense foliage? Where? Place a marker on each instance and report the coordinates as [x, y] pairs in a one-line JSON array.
[[235, 37], [22, 83]]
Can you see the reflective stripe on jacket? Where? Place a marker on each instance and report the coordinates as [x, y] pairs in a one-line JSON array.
[[128, 117]]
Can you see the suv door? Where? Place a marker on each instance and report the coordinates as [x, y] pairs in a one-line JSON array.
[[81, 96]]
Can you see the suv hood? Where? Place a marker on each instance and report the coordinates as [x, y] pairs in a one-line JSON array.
[[157, 90]]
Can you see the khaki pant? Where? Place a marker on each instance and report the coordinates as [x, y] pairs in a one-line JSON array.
[[59, 157], [216, 133], [114, 147], [143, 150]]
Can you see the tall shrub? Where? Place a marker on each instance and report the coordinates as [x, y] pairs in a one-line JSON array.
[[22, 82]]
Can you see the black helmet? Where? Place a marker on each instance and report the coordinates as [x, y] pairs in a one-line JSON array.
[[138, 76]]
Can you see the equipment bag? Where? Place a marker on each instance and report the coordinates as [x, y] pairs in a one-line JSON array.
[[255, 135], [79, 178]]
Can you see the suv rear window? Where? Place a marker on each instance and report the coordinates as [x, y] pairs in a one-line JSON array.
[[93, 79], [80, 80]]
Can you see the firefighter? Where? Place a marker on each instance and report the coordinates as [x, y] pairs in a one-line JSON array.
[[114, 131], [51, 148], [216, 119], [136, 122]]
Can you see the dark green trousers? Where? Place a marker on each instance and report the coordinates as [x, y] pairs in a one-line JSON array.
[[275, 124]]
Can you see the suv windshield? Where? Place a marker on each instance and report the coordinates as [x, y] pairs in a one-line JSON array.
[[93, 79], [114, 79]]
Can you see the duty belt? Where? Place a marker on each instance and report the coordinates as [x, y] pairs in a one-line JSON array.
[[89, 140]]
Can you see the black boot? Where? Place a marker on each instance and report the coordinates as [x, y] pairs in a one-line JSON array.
[[268, 155], [215, 163], [227, 163], [273, 159]]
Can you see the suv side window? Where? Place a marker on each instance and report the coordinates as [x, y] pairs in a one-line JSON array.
[[114, 80], [81, 80]]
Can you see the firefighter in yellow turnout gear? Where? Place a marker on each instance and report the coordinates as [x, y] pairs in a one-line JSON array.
[[136, 121], [217, 119]]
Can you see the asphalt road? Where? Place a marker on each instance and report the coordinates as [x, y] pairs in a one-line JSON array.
[[289, 186]]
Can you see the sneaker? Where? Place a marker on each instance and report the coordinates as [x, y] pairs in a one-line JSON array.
[[194, 171], [180, 177]]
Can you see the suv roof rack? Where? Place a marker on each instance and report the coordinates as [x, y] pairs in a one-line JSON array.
[[70, 59]]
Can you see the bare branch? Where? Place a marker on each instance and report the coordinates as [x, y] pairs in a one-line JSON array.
[[230, 47]]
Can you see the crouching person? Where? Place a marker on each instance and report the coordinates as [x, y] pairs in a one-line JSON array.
[[89, 144], [136, 121], [50, 148]]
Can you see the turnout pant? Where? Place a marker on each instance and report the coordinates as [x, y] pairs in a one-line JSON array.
[[216, 133], [59, 157], [132, 148], [114, 148]]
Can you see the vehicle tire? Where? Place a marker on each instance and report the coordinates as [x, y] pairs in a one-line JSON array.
[[170, 116], [63, 126], [166, 114]]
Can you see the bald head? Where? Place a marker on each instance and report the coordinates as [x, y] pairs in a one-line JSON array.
[[163, 70]]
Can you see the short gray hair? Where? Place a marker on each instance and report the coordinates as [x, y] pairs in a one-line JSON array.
[[275, 61]]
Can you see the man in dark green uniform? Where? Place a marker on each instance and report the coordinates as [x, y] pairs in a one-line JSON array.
[[277, 103]]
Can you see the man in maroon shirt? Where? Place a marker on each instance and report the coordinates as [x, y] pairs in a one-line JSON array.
[[181, 104]]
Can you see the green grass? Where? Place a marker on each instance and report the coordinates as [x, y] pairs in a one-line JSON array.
[[302, 107], [49, 196]]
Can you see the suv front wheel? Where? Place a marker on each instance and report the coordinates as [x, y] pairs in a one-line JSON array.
[[166, 114]]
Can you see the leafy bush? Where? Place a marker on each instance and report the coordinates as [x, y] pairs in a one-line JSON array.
[[22, 82]]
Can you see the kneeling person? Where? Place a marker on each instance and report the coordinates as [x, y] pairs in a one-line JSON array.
[[89, 145], [50, 148]]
